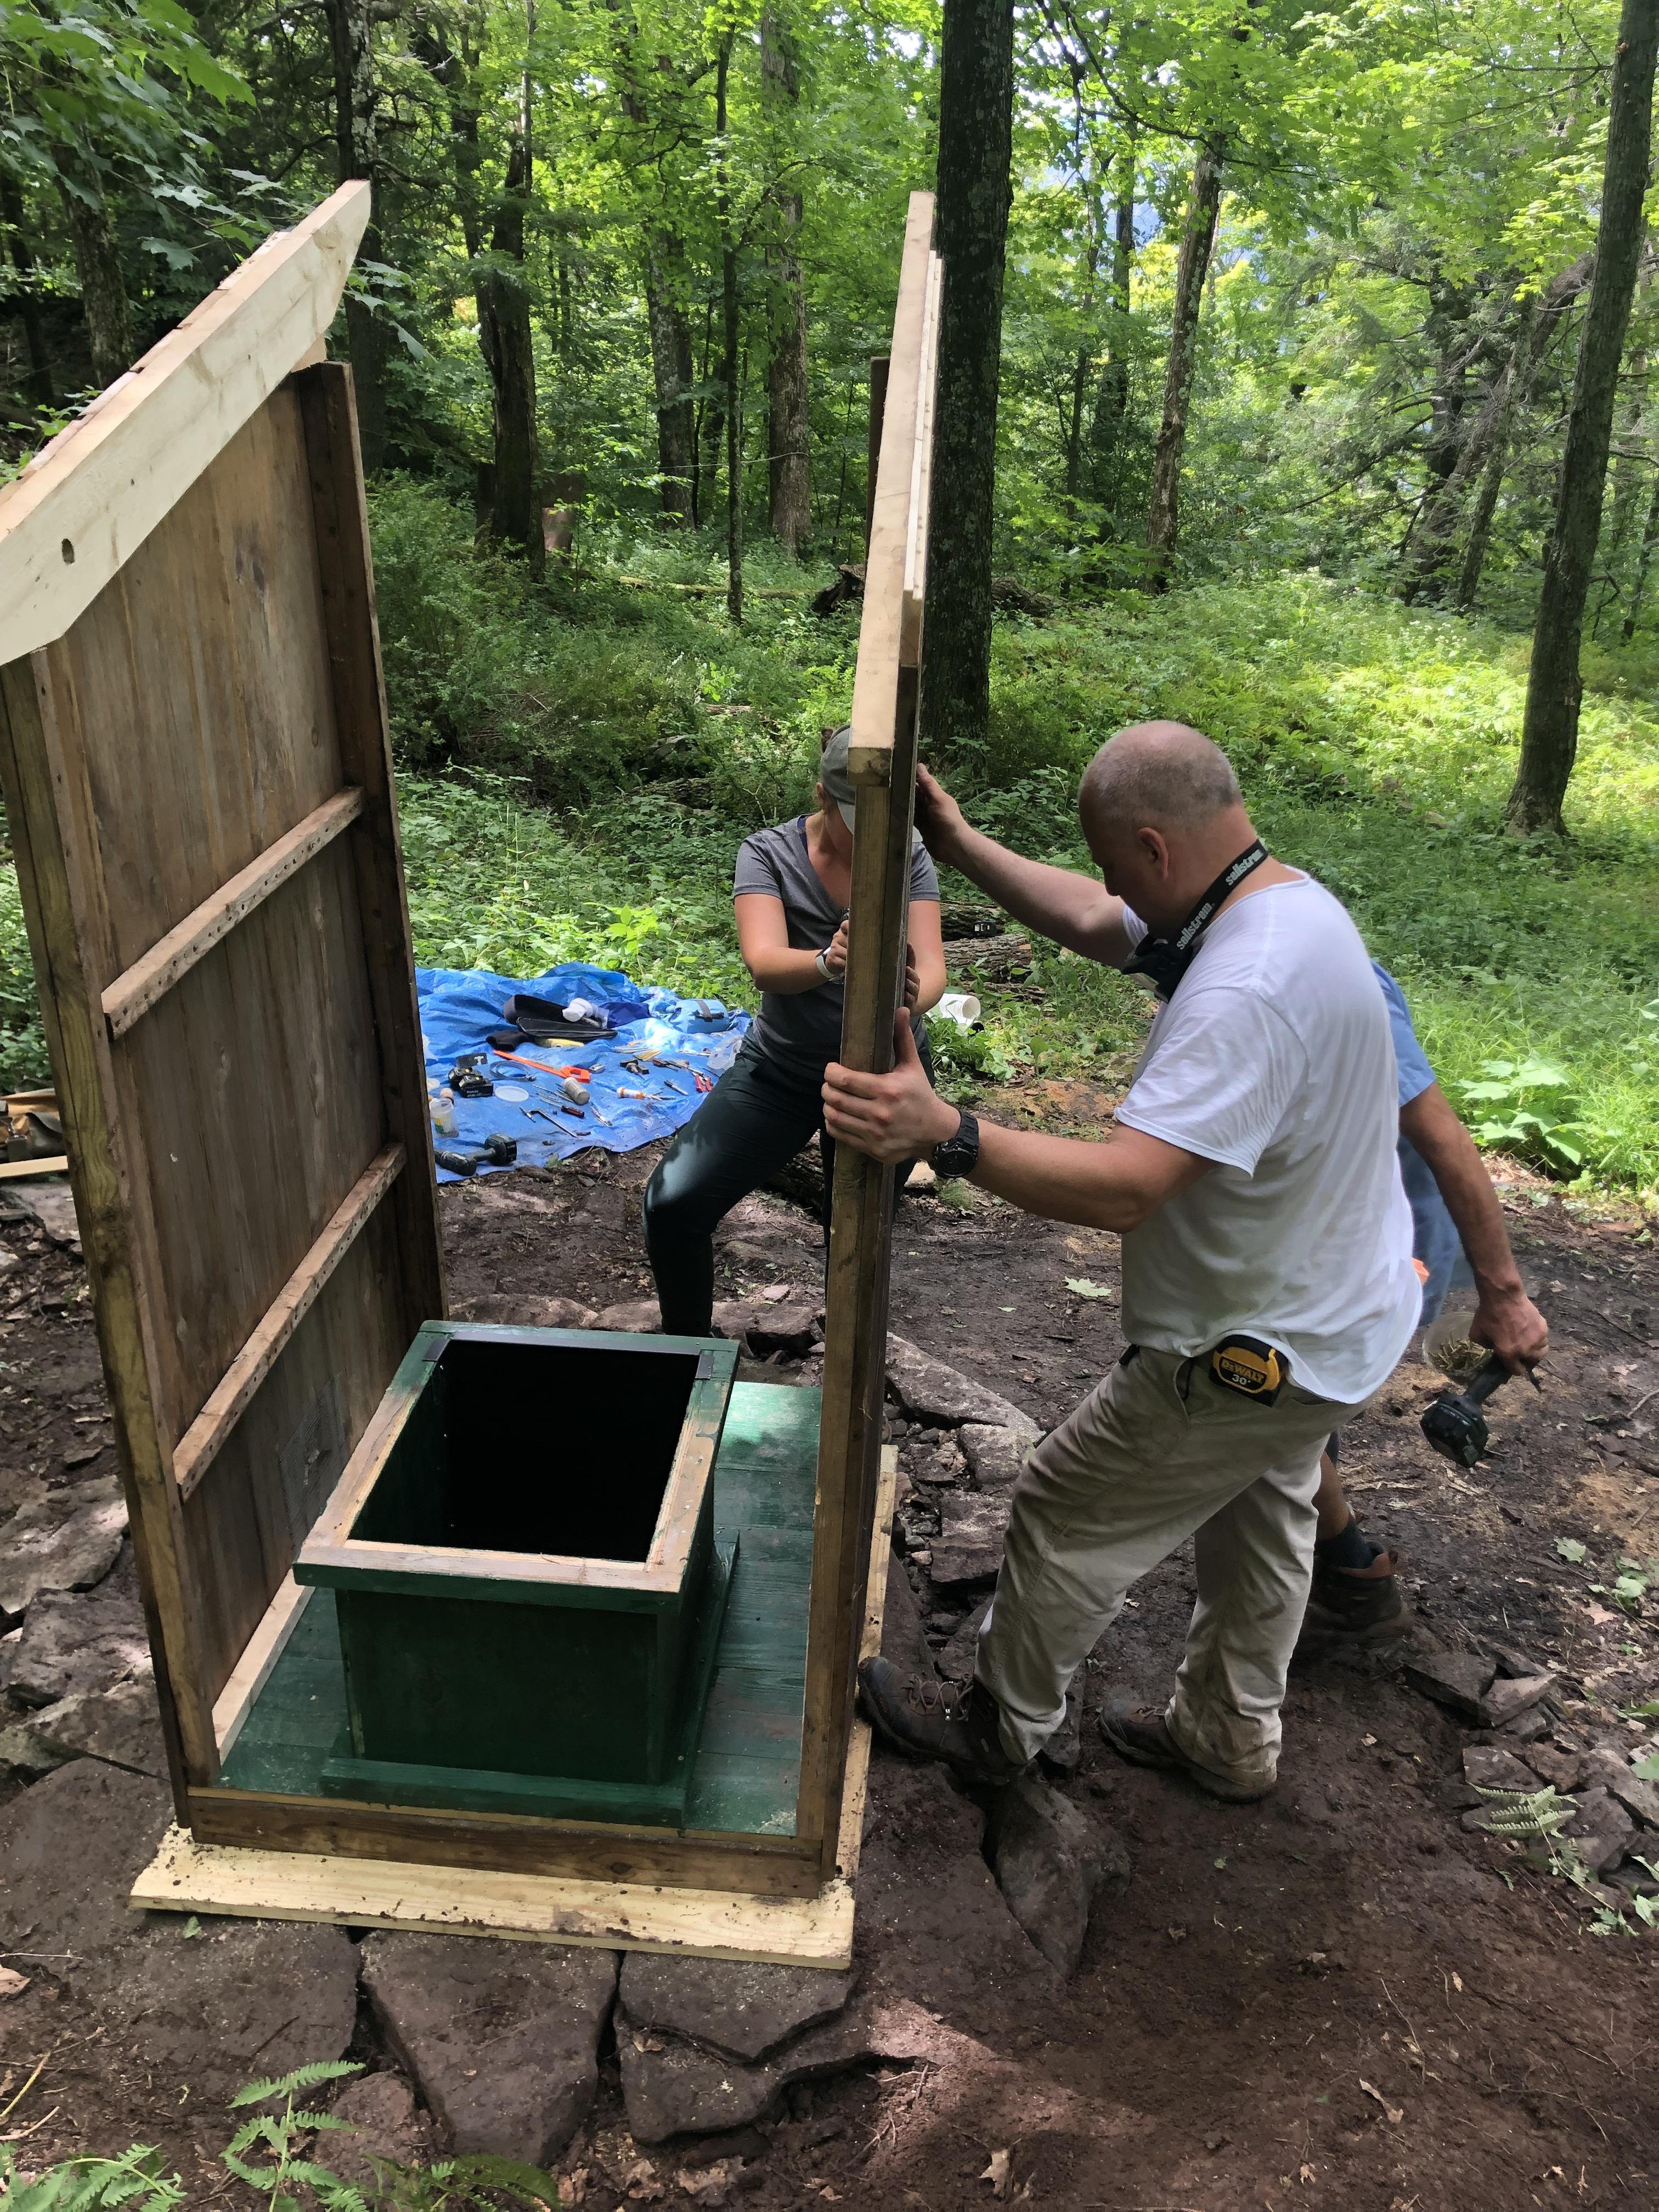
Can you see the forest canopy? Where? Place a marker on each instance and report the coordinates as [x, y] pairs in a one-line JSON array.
[[1292, 338], [1406, 194]]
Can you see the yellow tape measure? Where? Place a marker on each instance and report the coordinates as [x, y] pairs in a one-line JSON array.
[[1244, 1363]]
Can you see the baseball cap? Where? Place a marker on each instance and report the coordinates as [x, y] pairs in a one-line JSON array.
[[834, 775], [832, 770]]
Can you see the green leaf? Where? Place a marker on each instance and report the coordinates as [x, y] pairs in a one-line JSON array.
[[1569, 1548], [1647, 1769], [1081, 1287]]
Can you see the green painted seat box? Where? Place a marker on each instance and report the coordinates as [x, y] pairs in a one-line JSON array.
[[528, 1587]]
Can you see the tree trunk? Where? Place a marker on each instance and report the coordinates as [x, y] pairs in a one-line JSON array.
[[975, 148], [351, 41], [1428, 550], [672, 372], [729, 338], [103, 289], [1549, 731], [1639, 586], [505, 336], [1627, 460], [791, 507], [452, 67], [1560, 296], [27, 304], [1075, 425], [1197, 241], [709, 429], [1112, 398]]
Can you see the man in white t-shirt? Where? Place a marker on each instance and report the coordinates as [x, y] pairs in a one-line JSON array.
[[1268, 1289]]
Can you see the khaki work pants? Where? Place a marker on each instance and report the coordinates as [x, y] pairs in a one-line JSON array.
[[1158, 1451]]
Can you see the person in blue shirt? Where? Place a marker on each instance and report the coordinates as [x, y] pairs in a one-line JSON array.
[[1459, 1239]]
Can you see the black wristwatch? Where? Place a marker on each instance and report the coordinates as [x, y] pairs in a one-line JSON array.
[[958, 1155]]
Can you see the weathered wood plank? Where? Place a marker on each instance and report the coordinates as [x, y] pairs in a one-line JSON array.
[[48, 817], [761, 1866], [137, 988], [855, 1334], [89, 499], [347, 573], [188, 1876], [195, 1450]]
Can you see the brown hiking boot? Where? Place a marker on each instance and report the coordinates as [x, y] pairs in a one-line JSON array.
[[1359, 1601], [935, 1719], [1139, 1733]]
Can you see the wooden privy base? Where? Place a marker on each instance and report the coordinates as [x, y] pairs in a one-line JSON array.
[[185, 1876]]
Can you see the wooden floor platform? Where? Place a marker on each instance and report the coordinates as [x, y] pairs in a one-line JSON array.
[[812, 1931], [748, 1769]]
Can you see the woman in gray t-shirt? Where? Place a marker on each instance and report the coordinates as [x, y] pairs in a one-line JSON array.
[[791, 892]]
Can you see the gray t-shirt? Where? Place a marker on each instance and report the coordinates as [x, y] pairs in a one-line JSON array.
[[801, 1029]]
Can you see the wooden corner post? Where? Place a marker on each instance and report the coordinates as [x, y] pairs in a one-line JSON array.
[[884, 770]]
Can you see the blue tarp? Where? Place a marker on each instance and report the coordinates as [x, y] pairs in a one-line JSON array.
[[460, 1006]]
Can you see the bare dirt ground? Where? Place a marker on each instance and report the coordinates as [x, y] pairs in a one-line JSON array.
[[1337, 1997]]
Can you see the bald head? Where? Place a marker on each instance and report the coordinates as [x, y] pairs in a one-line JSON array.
[[1157, 775]]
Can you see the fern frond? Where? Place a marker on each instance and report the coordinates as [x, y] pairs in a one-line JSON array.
[[302, 2077], [1520, 1813]]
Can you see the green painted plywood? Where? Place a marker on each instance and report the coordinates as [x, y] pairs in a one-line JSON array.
[[748, 1766]]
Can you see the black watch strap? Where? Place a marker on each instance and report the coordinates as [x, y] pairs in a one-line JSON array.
[[959, 1154]]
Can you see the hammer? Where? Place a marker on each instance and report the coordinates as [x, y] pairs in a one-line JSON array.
[[1454, 1424]]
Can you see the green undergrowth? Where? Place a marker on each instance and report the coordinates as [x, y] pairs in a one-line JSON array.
[[279, 2154], [550, 814], [578, 760]]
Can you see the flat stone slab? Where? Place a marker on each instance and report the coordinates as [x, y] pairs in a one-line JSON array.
[[1606, 1770], [122, 1724], [671, 2087], [938, 1465], [634, 1317], [236, 2001], [995, 1455], [747, 2011], [1459, 1679], [1603, 1832], [1486, 1768], [66, 1539], [930, 1391], [767, 1325], [52, 1204], [972, 1524], [502, 2038], [956, 1661], [1508, 1699], [1052, 1862], [386, 2123], [76, 1640]]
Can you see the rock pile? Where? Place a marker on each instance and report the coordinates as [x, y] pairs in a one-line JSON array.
[[1555, 1781]]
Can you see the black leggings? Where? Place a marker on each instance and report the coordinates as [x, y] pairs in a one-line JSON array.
[[754, 1122]]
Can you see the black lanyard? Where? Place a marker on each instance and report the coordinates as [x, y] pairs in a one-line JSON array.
[[1166, 959]]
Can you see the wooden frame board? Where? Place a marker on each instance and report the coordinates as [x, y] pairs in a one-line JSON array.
[[816, 1930], [198, 777], [882, 762], [331, 1551]]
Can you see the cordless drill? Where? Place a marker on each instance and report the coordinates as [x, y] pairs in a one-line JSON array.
[[1454, 1424], [495, 1152]]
